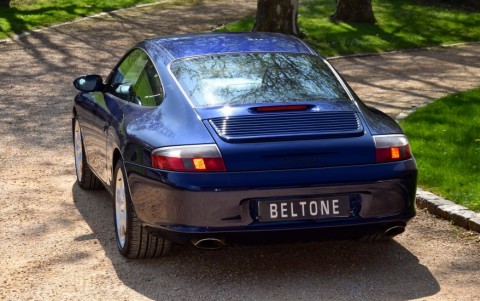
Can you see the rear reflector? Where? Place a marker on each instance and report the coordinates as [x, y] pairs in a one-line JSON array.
[[202, 157], [282, 108], [391, 148]]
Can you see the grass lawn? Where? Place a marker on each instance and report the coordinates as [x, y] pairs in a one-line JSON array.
[[402, 24], [25, 15], [445, 139]]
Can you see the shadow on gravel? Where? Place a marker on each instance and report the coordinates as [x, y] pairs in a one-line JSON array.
[[346, 270]]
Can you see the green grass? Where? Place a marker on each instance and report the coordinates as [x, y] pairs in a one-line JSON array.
[[445, 139], [25, 15], [402, 24]]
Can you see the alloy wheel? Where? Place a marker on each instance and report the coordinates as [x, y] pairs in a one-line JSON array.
[[120, 208], [78, 152]]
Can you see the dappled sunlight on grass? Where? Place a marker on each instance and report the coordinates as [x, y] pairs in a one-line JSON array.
[[445, 138], [24, 15]]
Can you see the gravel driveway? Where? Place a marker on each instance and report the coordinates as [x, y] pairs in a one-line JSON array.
[[57, 241]]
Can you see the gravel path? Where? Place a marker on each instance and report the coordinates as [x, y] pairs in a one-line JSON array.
[[57, 240], [398, 82]]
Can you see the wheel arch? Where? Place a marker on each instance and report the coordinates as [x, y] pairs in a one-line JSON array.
[[74, 117], [116, 156]]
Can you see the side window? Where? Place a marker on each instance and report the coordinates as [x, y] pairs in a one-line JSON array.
[[137, 81]]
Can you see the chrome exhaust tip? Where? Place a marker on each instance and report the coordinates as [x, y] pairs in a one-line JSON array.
[[209, 243], [393, 231]]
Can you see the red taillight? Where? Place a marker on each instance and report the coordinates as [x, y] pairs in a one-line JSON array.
[[391, 148], [204, 157]]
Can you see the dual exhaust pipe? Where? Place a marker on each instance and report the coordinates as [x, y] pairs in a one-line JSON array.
[[393, 231], [212, 243], [209, 243]]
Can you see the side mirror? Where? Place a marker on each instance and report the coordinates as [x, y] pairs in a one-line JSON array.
[[89, 83]]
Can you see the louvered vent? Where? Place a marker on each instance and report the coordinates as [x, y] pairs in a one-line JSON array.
[[288, 125]]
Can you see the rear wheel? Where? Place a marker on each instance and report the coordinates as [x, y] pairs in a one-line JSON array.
[[85, 177], [133, 240]]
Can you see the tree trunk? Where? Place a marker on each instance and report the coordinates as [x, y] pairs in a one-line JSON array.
[[4, 3], [354, 11], [277, 16]]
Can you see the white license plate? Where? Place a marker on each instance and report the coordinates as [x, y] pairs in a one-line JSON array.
[[303, 209]]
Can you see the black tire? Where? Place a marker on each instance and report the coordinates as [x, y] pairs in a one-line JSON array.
[[86, 179], [133, 240]]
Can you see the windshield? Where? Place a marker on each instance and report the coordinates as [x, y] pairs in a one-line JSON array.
[[247, 78]]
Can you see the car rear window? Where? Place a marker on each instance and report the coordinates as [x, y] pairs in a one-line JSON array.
[[246, 78]]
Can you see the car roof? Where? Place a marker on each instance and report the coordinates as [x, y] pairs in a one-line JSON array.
[[181, 46]]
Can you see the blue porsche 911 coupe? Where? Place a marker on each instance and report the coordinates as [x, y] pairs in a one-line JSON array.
[[227, 138]]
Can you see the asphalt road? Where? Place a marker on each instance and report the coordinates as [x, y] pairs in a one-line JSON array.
[[57, 241]]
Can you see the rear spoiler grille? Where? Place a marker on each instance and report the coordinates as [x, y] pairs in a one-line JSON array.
[[285, 126]]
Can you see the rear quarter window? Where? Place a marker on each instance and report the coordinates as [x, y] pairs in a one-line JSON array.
[[136, 80]]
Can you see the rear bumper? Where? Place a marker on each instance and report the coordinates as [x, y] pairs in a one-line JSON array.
[[325, 231], [186, 206]]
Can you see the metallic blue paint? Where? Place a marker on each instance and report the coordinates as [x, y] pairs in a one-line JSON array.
[[185, 205], [219, 203]]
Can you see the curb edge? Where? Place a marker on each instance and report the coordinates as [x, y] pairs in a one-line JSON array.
[[446, 209]]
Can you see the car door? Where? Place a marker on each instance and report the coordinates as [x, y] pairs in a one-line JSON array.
[[133, 85], [94, 119]]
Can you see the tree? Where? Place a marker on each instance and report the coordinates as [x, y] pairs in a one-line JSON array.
[[354, 11], [277, 16], [4, 3]]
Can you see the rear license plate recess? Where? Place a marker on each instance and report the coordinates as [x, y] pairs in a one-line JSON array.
[[303, 208]]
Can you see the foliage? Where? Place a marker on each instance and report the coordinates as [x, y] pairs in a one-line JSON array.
[[402, 24], [445, 139]]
